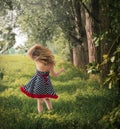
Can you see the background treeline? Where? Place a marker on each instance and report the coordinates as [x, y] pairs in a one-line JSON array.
[[87, 32]]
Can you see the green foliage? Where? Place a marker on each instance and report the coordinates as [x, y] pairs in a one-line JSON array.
[[65, 12], [106, 42], [8, 40], [8, 5], [60, 44], [93, 68], [114, 73], [97, 39], [37, 20], [111, 120], [81, 103], [9, 13], [5, 4]]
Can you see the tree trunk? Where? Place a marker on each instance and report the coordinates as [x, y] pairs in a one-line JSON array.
[[79, 57], [80, 52], [96, 26], [89, 32]]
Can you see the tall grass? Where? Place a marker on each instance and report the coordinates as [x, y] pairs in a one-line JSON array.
[[81, 103]]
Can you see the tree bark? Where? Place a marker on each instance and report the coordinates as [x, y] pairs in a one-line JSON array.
[[89, 32], [96, 26], [79, 58], [80, 53]]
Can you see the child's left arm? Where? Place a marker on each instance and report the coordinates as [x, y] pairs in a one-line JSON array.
[[54, 73]]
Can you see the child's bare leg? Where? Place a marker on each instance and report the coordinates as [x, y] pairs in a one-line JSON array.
[[48, 103], [40, 105]]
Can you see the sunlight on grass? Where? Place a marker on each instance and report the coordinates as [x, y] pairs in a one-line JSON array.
[[81, 103]]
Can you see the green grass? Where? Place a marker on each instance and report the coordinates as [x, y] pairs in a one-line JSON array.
[[82, 104]]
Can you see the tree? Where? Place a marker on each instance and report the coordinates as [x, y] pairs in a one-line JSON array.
[[90, 26], [8, 40], [97, 19], [109, 43], [8, 19], [37, 20], [69, 16]]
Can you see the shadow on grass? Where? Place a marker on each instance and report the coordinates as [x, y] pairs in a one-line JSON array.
[[69, 88], [12, 102], [88, 104], [86, 111], [3, 87], [15, 113], [82, 113]]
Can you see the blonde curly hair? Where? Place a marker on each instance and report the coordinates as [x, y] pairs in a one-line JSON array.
[[41, 53]]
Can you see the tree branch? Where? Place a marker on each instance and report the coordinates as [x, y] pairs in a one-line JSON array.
[[117, 38], [98, 21]]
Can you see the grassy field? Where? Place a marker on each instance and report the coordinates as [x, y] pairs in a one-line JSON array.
[[82, 104]]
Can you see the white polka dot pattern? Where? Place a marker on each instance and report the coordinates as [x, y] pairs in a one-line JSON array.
[[39, 86]]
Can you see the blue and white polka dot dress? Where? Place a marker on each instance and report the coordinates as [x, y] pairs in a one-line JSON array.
[[39, 86]]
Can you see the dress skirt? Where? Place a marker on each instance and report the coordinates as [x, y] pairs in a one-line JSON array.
[[39, 86]]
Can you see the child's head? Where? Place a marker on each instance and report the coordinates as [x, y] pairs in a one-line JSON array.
[[41, 53]]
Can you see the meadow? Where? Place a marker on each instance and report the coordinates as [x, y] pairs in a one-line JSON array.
[[82, 104]]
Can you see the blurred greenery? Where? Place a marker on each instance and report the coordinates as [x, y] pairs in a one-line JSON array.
[[82, 104]]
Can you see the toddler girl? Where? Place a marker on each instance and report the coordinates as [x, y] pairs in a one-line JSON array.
[[40, 86]]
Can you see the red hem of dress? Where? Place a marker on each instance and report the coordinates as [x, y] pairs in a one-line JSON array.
[[36, 95]]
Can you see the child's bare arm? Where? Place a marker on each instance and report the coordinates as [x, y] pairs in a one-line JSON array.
[[54, 73]]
